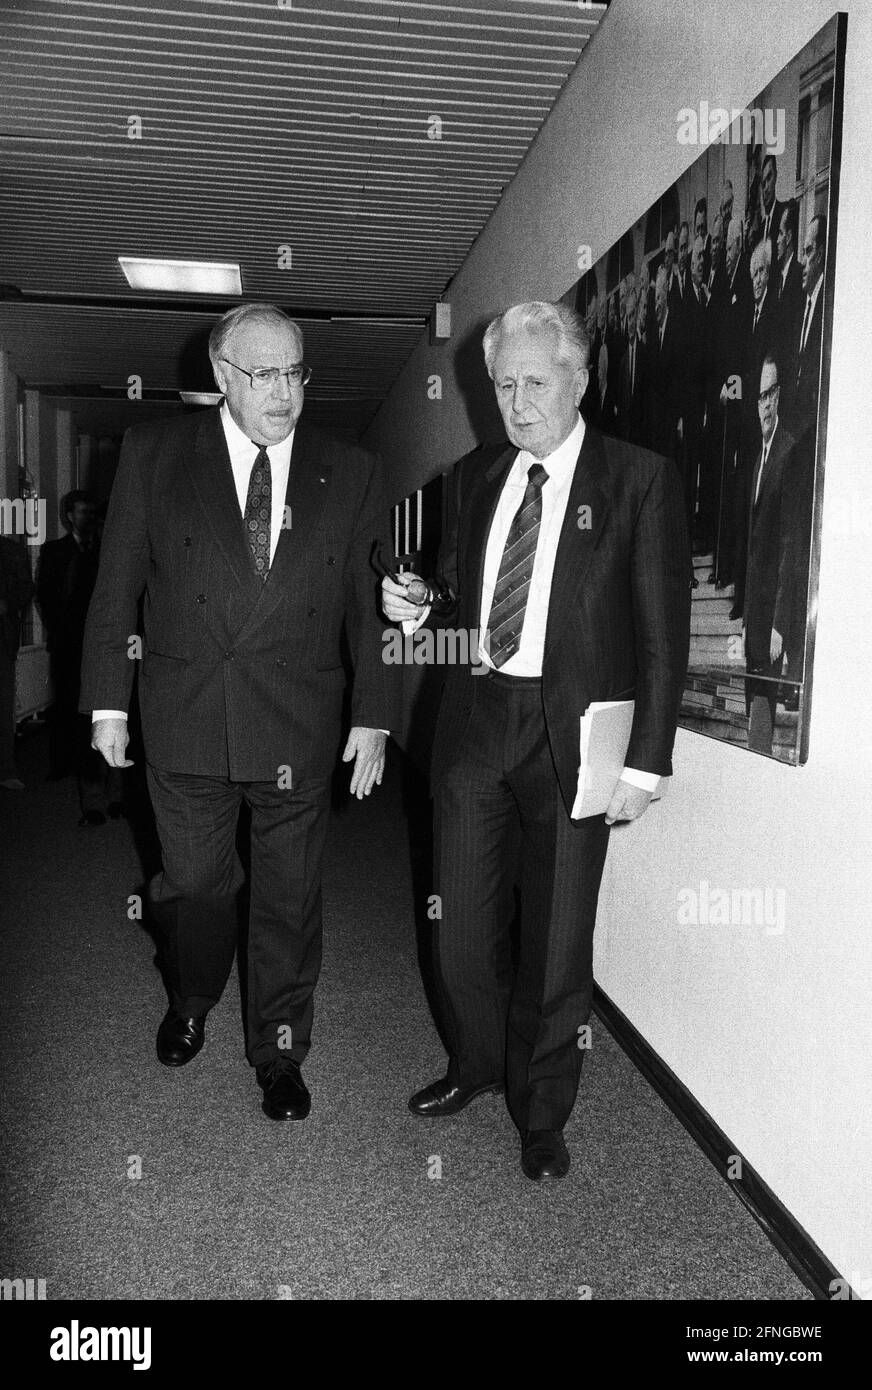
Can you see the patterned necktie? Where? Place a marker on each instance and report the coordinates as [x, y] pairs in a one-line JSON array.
[[506, 620], [258, 511]]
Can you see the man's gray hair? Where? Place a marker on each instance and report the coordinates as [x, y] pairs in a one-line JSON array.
[[246, 313], [538, 316], [762, 252]]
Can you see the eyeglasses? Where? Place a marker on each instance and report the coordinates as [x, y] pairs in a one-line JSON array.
[[265, 378], [768, 395]]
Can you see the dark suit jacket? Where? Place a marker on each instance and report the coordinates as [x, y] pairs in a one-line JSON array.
[[772, 596], [803, 405], [666, 384], [619, 613], [633, 422], [239, 675], [772, 238], [791, 303], [16, 587], [64, 585]]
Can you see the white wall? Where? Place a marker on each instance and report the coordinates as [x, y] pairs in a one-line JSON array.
[[771, 1032]]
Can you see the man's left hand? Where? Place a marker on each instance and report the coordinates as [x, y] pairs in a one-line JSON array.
[[367, 747], [627, 803]]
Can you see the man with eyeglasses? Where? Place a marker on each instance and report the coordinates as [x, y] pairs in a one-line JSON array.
[[249, 535]]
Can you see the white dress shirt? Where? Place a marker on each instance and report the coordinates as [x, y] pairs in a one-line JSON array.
[[242, 456]]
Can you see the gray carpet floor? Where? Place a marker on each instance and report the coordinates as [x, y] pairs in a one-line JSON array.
[[347, 1205]]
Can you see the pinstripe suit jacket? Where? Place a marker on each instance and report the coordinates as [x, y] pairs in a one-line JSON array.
[[619, 612], [239, 676]]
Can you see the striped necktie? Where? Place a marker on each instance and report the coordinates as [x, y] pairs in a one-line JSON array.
[[258, 511], [506, 620]]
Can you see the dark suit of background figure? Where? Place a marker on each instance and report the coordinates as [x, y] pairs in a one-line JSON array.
[[618, 623], [759, 341], [16, 590], [791, 302], [633, 397], [728, 352], [64, 586], [666, 389], [590, 401], [801, 406], [772, 596], [240, 678], [770, 228], [693, 408], [616, 341]]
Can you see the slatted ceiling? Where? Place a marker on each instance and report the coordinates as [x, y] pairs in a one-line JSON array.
[[263, 125]]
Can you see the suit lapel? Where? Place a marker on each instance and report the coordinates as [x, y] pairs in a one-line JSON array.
[[585, 516], [212, 478], [308, 485], [481, 520]]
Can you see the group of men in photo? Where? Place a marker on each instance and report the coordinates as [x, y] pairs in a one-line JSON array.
[[712, 357]]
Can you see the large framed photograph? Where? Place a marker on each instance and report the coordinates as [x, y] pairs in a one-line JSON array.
[[710, 327]]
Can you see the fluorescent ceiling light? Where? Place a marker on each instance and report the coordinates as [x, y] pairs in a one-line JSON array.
[[182, 277], [201, 397]]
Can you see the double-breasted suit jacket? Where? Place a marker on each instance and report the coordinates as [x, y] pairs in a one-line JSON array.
[[239, 676]]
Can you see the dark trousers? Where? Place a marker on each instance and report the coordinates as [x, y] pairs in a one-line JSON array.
[[7, 711], [501, 821], [194, 899]]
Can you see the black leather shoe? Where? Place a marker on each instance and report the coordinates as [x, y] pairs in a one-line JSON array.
[[179, 1039], [285, 1096], [445, 1097], [544, 1154]]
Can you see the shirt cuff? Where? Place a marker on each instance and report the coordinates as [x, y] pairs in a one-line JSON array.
[[411, 625], [108, 714], [646, 780]]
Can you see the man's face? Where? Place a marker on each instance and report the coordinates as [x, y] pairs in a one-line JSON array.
[[683, 249], [660, 299], [631, 315], [669, 254], [697, 261], [767, 403], [83, 518], [727, 204], [699, 226], [267, 417], [717, 239], [733, 244], [537, 393], [759, 275], [767, 185], [782, 241], [812, 258]]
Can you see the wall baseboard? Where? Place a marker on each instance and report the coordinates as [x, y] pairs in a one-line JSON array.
[[794, 1243]]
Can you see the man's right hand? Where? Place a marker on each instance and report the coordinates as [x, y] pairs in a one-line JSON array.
[[111, 737], [397, 608]]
